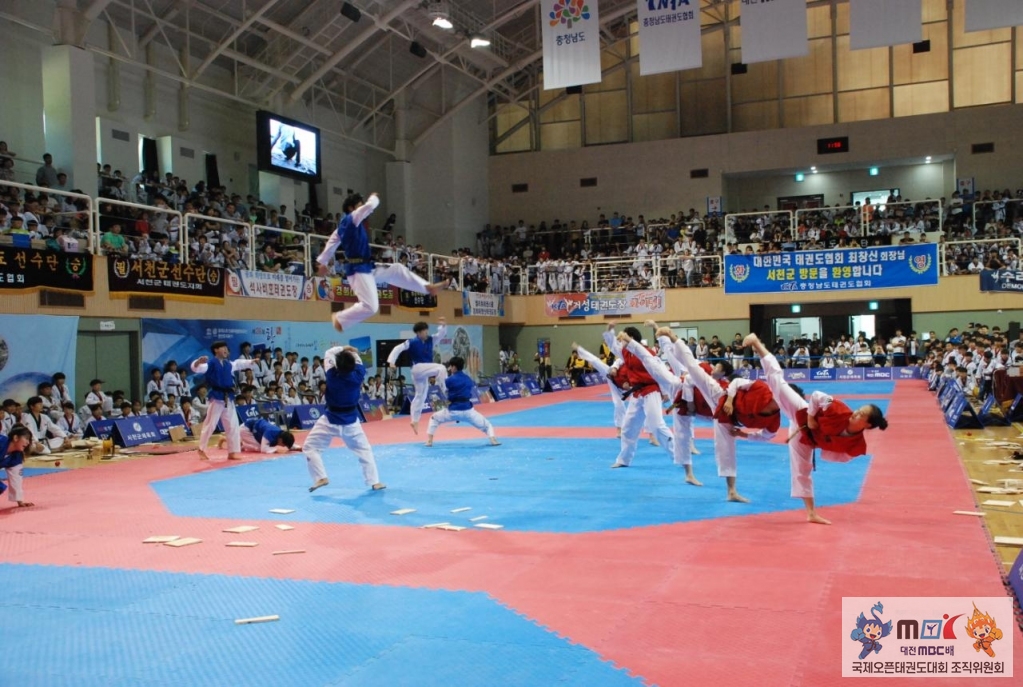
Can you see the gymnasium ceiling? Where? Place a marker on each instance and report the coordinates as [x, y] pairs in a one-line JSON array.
[[288, 54]]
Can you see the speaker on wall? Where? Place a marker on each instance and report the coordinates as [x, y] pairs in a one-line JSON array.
[[351, 12]]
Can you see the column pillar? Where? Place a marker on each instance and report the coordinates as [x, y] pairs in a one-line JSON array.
[[69, 111]]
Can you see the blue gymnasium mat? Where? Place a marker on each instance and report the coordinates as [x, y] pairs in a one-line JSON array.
[[85, 627], [537, 485]]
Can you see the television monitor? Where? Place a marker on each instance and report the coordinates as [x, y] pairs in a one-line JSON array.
[[288, 147]]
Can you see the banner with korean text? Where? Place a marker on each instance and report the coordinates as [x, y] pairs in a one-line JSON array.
[[833, 270], [571, 43], [773, 30], [170, 280], [982, 15], [669, 35], [614, 303], [337, 290], [276, 285], [1001, 280], [482, 304], [877, 23], [28, 269]]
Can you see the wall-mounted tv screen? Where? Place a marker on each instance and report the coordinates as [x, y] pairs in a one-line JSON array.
[[287, 147]]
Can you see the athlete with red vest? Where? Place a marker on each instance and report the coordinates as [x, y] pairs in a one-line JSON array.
[[644, 405], [820, 422], [726, 431]]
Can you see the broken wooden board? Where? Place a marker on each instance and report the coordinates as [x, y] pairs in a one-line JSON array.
[[160, 539], [241, 529], [242, 544], [187, 541]]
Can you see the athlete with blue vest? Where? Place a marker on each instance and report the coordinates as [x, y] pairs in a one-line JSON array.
[[220, 373], [263, 436], [459, 386], [420, 350], [12, 458], [345, 374], [362, 274]]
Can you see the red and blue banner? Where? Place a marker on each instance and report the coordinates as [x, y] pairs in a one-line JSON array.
[[612, 303]]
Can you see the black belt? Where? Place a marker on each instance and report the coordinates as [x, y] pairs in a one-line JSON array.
[[636, 389], [225, 389], [342, 409]]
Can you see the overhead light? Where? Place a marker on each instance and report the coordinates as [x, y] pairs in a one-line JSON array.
[[874, 171], [813, 169], [800, 176], [796, 309], [928, 159], [439, 12], [479, 42], [872, 305]]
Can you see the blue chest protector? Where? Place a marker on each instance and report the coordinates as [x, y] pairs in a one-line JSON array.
[[355, 244], [220, 379], [421, 351]]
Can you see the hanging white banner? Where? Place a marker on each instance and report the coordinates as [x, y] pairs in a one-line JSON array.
[[877, 23], [773, 30], [982, 15], [669, 35], [571, 43]]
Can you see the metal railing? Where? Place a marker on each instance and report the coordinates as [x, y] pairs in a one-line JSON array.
[[981, 248], [291, 247], [740, 226], [930, 211], [215, 237], [68, 220], [996, 210], [160, 221], [807, 218]]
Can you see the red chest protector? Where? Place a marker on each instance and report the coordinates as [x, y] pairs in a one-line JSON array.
[[640, 380], [828, 435], [700, 405], [747, 408]]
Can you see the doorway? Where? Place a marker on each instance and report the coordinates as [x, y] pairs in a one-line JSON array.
[[112, 357]]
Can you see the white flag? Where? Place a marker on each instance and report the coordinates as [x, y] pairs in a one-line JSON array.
[[877, 23], [773, 30], [571, 43], [982, 15], [669, 35]]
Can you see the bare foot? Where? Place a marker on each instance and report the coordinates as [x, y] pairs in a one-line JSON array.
[[429, 442], [234, 456], [415, 427], [737, 497], [816, 519], [654, 442], [692, 449], [337, 325], [494, 441], [319, 483], [619, 465], [434, 289], [25, 504], [691, 478], [378, 486], [202, 455], [619, 431], [222, 442]]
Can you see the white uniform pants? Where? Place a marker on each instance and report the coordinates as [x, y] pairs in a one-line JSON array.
[[364, 285], [223, 412], [353, 437], [421, 373], [724, 441], [248, 440], [472, 416], [14, 479], [639, 411], [800, 455]]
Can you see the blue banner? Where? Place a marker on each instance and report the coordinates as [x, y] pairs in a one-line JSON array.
[[304, 417], [532, 386], [1016, 578], [163, 423], [132, 431], [24, 363], [247, 412], [1001, 280], [559, 383], [502, 392], [101, 429], [843, 269]]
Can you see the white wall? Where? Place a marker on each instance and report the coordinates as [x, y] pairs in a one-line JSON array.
[[653, 178]]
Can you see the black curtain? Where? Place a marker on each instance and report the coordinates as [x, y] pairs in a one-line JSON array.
[[314, 205], [150, 159], [212, 175]]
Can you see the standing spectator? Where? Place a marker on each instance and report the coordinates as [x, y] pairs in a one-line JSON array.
[[47, 174]]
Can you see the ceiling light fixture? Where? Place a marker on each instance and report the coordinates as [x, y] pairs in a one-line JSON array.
[[439, 13], [478, 41]]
